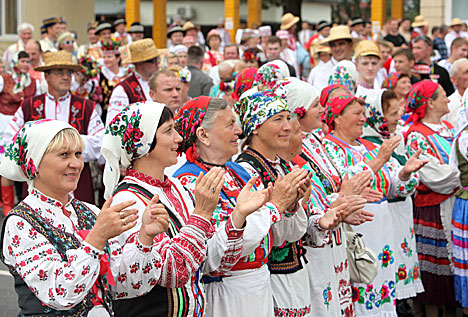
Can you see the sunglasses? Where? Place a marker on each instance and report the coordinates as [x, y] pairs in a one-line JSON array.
[[69, 42]]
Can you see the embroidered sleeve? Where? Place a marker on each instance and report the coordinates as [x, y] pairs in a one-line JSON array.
[[58, 283], [13, 127], [93, 140], [117, 102], [441, 178], [398, 187]]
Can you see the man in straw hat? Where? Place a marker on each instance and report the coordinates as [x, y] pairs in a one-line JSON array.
[[49, 42], [59, 104], [145, 56], [420, 27], [289, 23], [341, 45], [456, 32]]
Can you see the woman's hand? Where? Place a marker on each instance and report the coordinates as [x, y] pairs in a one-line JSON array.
[[155, 220], [359, 217], [286, 189], [356, 184], [111, 222], [355, 203], [249, 201], [207, 190], [332, 217], [385, 153], [371, 195], [412, 165]]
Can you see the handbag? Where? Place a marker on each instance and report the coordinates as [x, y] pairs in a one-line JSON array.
[[362, 260]]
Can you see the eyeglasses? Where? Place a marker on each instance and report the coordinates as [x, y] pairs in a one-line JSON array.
[[153, 61], [69, 42], [61, 73]]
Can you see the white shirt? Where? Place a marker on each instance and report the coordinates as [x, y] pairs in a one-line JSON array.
[[452, 35], [445, 64], [323, 74], [11, 53], [60, 110], [361, 90], [313, 73], [48, 45], [454, 105], [119, 98]]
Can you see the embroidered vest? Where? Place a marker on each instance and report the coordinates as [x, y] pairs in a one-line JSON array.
[[160, 301], [441, 147], [80, 111], [9, 101], [260, 255], [286, 258], [133, 89], [62, 241]]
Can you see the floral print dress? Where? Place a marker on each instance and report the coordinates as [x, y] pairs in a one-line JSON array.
[[378, 298]]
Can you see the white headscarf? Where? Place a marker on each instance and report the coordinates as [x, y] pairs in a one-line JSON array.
[[129, 136], [25, 152], [345, 73], [298, 94], [461, 125]]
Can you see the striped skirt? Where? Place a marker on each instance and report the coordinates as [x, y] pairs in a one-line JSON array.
[[434, 263], [460, 249]]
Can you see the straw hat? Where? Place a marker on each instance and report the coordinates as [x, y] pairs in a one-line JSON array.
[[188, 26], [322, 49], [456, 21], [367, 48], [419, 21], [58, 60], [288, 20], [340, 32], [142, 50]]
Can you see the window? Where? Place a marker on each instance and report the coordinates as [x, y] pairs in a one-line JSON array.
[[9, 16]]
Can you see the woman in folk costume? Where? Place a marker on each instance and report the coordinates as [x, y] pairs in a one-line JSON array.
[[269, 74], [459, 159], [142, 139], [345, 116], [264, 118], [85, 83], [433, 203], [330, 288], [210, 139], [62, 252], [345, 74], [383, 115]]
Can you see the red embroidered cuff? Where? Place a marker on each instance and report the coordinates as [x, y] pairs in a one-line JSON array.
[[202, 224], [274, 212], [143, 248], [232, 232]]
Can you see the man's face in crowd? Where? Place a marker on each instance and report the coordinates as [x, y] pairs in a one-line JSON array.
[[32, 49], [59, 80], [106, 34], [176, 38], [461, 79], [273, 51], [402, 64], [231, 52], [325, 31], [191, 32], [341, 49], [393, 26], [25, 35], [421, 51], [137, 36], [54, 30], [460, 52], [120, 28], [168, 91], [92, 38]]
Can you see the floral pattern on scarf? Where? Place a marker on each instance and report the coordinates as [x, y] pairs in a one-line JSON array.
[[270, 73], [345, 74], [391, 81], [418, 96], [375, 118], [244, 81], [336, 106]]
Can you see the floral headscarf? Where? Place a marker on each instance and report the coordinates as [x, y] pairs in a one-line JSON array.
[[345, 74], [391, 81], [376, 125], [25, 152], [298, 94], [418, 96], [243, 82], [255, 109], [187, 121], [327, 91], [270, 73], [335, 107], [128, 137]]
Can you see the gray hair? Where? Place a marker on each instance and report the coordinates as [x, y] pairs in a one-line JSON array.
[[455, 66], [215, 105], [24, 26]]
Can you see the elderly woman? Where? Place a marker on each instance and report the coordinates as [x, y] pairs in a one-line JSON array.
[[60, 250], [433, 203], [210, 139], [143, 139], [383, 114], [264, 118], [345, 116]]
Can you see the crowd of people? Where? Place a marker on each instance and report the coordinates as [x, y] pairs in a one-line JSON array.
[[320, 172]]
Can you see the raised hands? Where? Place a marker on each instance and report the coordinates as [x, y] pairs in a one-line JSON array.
[[332, 217], [356, 184], [155, 220], [286, 189], [111, 222], [207, 190], [387, 148], [412, 165]]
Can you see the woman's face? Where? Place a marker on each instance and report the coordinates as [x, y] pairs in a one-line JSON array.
[[111, 60], [311, 120], [214, 43], [402, 87], [439, 105], [167, 142], [173, 61], [80, 78], [59, 171], [24, 64], [392, 114], [368, 66], [251, 63], [351, 121], [68, 45], [274, 132], [182, 58], [295, 141]]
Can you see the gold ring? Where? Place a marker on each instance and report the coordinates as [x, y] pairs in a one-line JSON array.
[[124, 221], [122, 215], [212, 190]]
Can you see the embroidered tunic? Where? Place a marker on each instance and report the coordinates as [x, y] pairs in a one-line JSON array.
[[378, 298], [183, 248], [61, 281], [240, 291]]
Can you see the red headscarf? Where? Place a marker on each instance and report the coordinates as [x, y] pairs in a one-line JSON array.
[[187, 121], [418, 96], [244, 81], [335, 106], [327, 91]]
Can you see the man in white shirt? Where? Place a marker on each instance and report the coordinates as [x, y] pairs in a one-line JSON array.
[[357, 28], [49, 42], [25, 32], [459, 49], [145, 56], [459, 77], [456, 32]]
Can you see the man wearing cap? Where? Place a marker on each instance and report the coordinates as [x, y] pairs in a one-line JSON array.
[[104, 33], [145, 56], [121, 34], [357, 28], [456, 32], [59, 104], [49, 42], [25, 32], [340, 42], [136, 31], [175, 35], [367, 55]]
